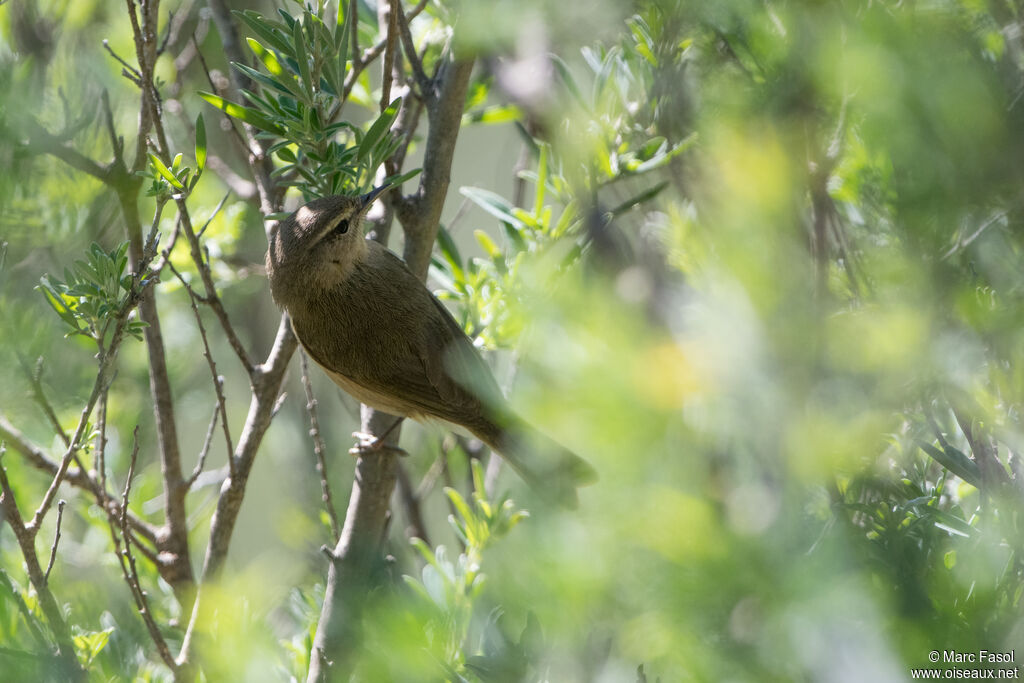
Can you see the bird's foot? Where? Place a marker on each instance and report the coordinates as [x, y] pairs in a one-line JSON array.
[[368, 444]]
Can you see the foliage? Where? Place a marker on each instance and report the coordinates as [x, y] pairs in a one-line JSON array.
[[93, 293], [301, 96]]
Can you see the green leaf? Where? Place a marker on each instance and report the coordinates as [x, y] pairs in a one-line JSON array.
[[265, 30], [563, 70], [200, 143], [955, 461], [949, 559], [302, 58], [288, 19], [492, 203], [501, 113], [88, 645], [165, 172], [281, 85], [379, 128], [492, 250], [246, 114], [639, 199], [451, 253], [268, 58], [660, 160], [487, 244], [57, 302]]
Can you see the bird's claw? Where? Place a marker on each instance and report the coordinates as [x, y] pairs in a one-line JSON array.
[[368, 444]]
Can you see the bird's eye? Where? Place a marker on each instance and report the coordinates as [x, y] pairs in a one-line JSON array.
[[341, 228]]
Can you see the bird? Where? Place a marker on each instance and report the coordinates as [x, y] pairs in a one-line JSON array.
[[383, 337]]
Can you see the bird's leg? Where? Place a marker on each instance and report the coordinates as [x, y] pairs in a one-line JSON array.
[[368, 444]]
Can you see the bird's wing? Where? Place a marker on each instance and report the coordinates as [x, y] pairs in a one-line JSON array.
[[457, 376], [401, 350]]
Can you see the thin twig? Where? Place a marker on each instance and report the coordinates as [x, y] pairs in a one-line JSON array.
[[963, 243], [218, 381], [133, 73], [26, 542], [211, 297], [129, 570], [421, 78], [389, 54], [35, 381], [56, 539], [353, 9], [35, 457], [319, 450], [413, 510], [44, 141], [201, 462]]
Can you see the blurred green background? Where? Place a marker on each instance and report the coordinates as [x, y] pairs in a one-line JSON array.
[[772, 290]]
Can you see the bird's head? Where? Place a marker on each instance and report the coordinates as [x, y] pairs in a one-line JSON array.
[[317, 246]]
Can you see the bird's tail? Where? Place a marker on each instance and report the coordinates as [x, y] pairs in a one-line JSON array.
[[551, 469]]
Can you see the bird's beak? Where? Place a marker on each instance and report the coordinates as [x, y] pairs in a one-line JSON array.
[[367, 199]]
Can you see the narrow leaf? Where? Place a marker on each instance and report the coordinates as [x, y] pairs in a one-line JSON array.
[[301, 56], [265, 30], [200, 143], [165, 172], [639, 199], [451, 253], [492, 203], [379, 128], [246, 114]]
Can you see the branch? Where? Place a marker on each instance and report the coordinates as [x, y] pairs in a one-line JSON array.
[[130, 571], [358, 549], [211, 298], [176, 565], [37, 458], [56, 539], [319, 449], [389, 52], [35, 380], [218, 381], [26, 542], [266, 401], [271, 194], [201, 460], [43, 141], [106, 365], [421, 78]]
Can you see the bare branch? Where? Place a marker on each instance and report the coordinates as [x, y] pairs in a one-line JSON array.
[[40, 139], [353, 13], [266, 400], [129, 71], [391, 13], [211, 297], [267, 384], [61, 504], [129, 570], [218, 381], [26, 542], [319, 449], [35, 381], [201, 462], [409, 48], [35, 457], [411, 504]]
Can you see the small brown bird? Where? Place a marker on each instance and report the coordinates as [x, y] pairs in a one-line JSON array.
[[381, 335]]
